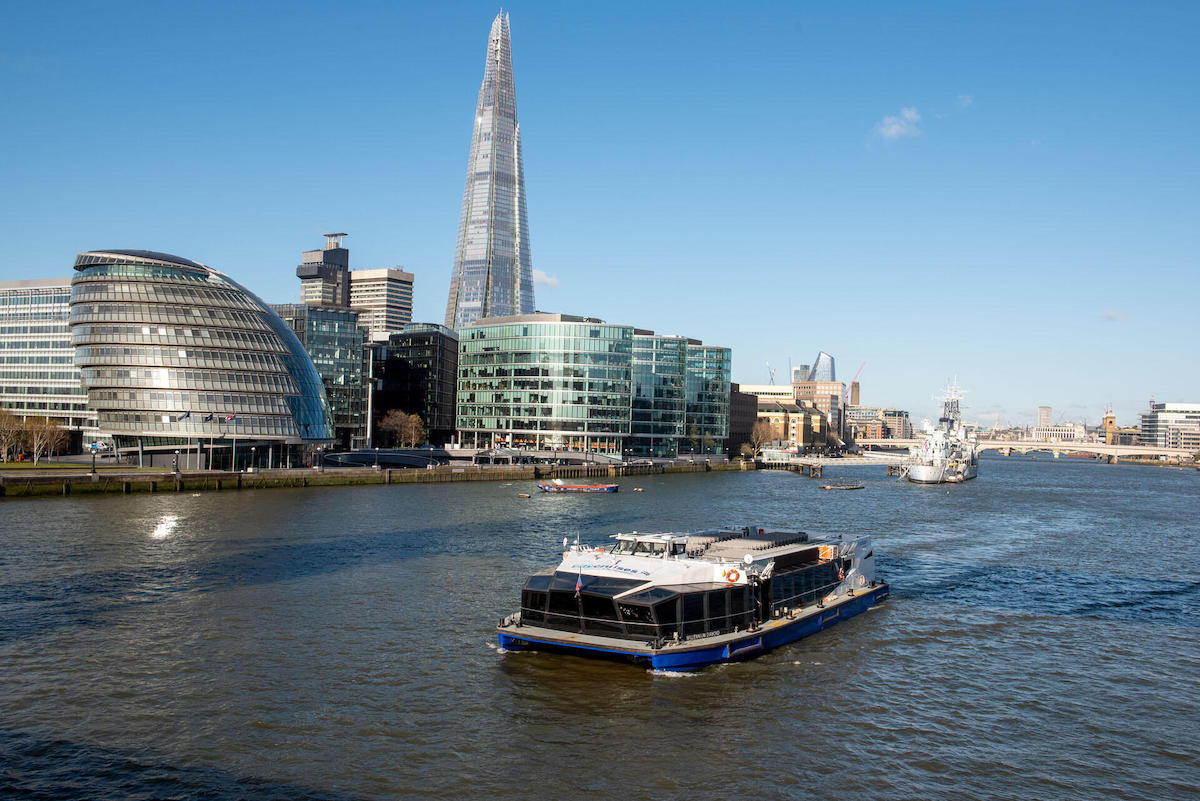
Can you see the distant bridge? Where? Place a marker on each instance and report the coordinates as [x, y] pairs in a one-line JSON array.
[[1056, 448]]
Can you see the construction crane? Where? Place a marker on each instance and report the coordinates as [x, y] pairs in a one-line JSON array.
[[770, 373], [846, 392]]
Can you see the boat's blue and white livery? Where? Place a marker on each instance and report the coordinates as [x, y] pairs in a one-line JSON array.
[[683, 601]]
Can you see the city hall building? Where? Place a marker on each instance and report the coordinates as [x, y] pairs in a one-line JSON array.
[[177, 357]]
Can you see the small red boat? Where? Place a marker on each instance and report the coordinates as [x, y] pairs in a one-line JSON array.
[[558, 486]]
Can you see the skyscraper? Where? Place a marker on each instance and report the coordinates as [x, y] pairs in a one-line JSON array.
[[493, 274], [823, 368]]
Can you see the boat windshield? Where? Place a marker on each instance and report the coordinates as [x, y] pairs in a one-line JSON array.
[[643, 548]]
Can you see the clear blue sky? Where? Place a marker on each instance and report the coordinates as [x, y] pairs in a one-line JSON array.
[[1006, 192]]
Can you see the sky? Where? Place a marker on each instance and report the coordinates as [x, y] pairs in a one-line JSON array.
[[1005, 193]]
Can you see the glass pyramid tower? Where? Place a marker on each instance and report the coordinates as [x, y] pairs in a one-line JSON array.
[[492, 274]]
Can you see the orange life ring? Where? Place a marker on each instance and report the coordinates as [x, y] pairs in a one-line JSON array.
[[732, 575]]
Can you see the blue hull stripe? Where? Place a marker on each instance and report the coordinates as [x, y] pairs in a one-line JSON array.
[[758, 642]]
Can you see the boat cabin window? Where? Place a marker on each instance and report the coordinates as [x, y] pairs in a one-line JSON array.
[[644, 548]]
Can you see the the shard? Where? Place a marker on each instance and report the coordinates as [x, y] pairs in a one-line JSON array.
[[492, 275]]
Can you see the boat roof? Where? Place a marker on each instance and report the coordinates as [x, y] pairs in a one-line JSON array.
[[731, 542]]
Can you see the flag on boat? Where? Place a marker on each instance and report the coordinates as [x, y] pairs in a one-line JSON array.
[[578, 583], [183, 416], [229, 417], [208, 418]]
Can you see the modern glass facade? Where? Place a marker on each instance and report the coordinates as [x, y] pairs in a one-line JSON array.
[[823, 369], [659, 390], [334, 342], [170, 350], [416, 371], [38, 376], [493, 273], [706, 424], [545, 381]]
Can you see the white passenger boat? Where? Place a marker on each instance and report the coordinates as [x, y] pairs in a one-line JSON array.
[[683, 601]]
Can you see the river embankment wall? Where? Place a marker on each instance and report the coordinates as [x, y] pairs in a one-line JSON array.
[[66, 482]]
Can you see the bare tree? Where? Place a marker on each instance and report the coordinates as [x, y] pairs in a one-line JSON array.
[[44, 436], [393, 423], [414, 430], [404, 428], [12, 431], [760, 435]]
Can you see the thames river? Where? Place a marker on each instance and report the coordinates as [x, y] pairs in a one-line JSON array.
[[1042, 640]]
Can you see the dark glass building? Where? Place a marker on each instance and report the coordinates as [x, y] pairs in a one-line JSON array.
[[415, 372], [172, 352]]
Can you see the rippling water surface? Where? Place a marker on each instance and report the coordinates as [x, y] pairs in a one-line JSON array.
[[1041, 641]]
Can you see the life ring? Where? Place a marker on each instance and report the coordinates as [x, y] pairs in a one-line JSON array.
[[732, 575]]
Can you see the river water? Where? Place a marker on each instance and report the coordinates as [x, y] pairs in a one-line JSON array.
[[1040, 642]]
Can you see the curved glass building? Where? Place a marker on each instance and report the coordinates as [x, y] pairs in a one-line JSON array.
[[539, 381], [172, 351]]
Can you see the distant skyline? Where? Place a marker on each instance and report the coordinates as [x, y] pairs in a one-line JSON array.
[[1005, 193]]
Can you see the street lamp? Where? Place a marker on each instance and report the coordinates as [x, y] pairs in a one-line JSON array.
[[176, 461], [376, 457], [252, 462]]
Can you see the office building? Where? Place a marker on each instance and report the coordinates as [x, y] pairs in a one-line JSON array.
[[659, 394], [794, 424], [707, 412], [492, 274], [334, 341], [545, 381], [865, 422], [897, 424], [743, 413], [174, 353], [823, 369], [325, 274], [779, 392], [415, 372], [1171, 425], [1044, 416], [1063, 432], [825, 395], [384, 300], [854, 393], [38, 376], [556, 381]]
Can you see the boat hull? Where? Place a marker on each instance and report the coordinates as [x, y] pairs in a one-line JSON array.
[[694, 654], [578, 487], [934, 474]]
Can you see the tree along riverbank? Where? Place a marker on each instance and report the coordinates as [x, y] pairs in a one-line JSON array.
[[60, 483]]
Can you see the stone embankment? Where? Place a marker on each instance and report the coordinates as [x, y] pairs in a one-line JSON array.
[[63, 482]]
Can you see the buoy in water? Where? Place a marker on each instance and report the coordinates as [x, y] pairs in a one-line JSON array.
[[638, 489], [522, 494]]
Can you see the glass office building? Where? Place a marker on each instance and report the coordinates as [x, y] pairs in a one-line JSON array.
[[706, 424], [334, 341], [545, 381], [171, 351], [38, 376], [493, 273], [416, 372], [659, 394]]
